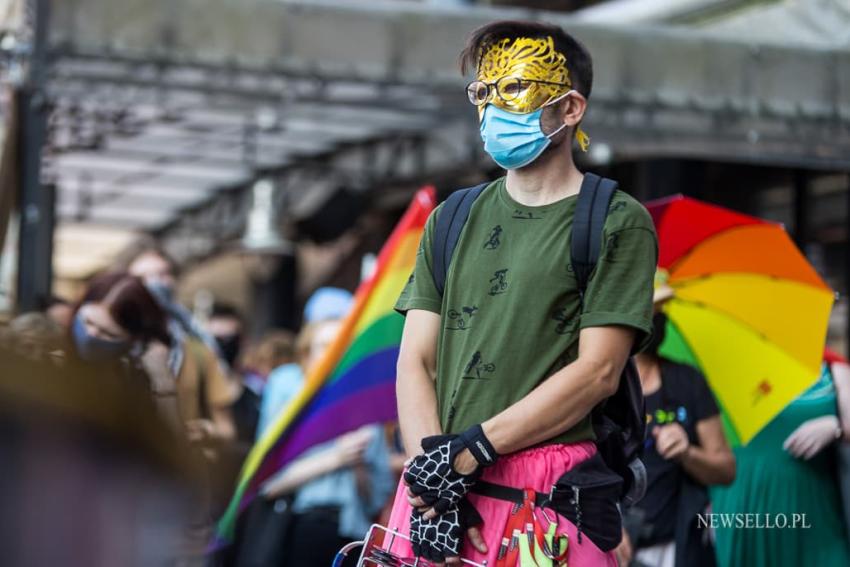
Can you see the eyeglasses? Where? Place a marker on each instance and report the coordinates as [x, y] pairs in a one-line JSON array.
[[507, 88]]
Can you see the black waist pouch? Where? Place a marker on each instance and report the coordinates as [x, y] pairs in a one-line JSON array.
[[587, 496]]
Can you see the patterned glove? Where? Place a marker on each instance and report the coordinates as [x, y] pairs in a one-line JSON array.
[[432, 476], [442, 537]]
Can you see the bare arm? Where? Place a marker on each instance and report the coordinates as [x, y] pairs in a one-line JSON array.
[[567, 396], [841, 379], [712, 462], [417, 371], [300, 472], [347, 451]]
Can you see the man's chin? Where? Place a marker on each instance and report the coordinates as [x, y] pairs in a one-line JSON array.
[[551, 152]]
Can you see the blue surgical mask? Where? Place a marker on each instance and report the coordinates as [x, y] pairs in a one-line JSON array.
[[163, 293], [515, 140], [95, 349]]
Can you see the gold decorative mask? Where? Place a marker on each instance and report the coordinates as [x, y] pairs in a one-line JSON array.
[[521, 76]]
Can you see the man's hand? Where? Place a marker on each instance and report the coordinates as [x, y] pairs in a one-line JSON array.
[[671, 441], [477, 541], [434, 478], [465, 463], [440, 540]]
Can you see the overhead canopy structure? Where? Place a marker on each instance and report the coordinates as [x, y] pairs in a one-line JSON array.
[[813, 23], [167, 110]]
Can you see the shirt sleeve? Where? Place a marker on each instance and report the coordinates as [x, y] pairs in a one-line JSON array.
[[619, 291], [420, 292]]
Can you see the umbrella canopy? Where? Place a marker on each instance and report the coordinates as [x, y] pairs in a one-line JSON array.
[[747, 308]]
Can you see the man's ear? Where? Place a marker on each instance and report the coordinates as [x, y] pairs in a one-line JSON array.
[[573, 109]]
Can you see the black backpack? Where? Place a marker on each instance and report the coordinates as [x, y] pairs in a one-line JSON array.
[[620, 421]]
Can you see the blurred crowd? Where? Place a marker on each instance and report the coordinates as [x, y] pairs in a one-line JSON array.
[[134, 453], [216, 392]]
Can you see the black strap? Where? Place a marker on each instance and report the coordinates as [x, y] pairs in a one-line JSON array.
[[450, 222], [594, 199], [508, 493], [479, 445], [591, 210]]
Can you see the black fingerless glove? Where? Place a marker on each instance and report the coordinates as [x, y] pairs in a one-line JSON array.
[[442, 537], [480, 447], [432, 476]]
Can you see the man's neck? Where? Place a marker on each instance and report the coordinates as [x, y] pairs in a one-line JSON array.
[[550, 179]]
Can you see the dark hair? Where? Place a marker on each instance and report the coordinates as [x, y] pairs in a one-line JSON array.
[[131, 305], [579, 63]]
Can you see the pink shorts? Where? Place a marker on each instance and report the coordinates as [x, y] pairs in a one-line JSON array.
[[536, 468]]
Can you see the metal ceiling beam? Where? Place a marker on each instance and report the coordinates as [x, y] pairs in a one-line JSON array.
[[657, 92], [638, 68], [75, 73], [370, 165]]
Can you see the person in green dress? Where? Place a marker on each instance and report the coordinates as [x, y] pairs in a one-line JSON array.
[[787, 476]]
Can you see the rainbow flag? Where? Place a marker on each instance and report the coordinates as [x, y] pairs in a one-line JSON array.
[[354, 382]]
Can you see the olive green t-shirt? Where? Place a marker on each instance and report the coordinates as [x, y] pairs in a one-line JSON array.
[[511, 312]]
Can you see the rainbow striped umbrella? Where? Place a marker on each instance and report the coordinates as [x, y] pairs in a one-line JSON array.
[[747, 309], [354, 383]]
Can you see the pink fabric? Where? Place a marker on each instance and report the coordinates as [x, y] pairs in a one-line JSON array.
[[536, 468]]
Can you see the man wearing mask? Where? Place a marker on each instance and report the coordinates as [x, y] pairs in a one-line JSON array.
[[506, 397]]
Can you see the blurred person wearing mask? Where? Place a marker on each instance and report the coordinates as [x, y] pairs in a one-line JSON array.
[[159, 273], [788, 471], [115, 323], [205, 393], [337, 488], [274, 349], [685, 452], [227, 328]]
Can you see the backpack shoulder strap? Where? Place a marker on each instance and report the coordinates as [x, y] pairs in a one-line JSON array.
[[450, 222], [588, 221]]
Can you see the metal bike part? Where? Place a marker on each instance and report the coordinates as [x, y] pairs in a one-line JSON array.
[[375, 552]]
